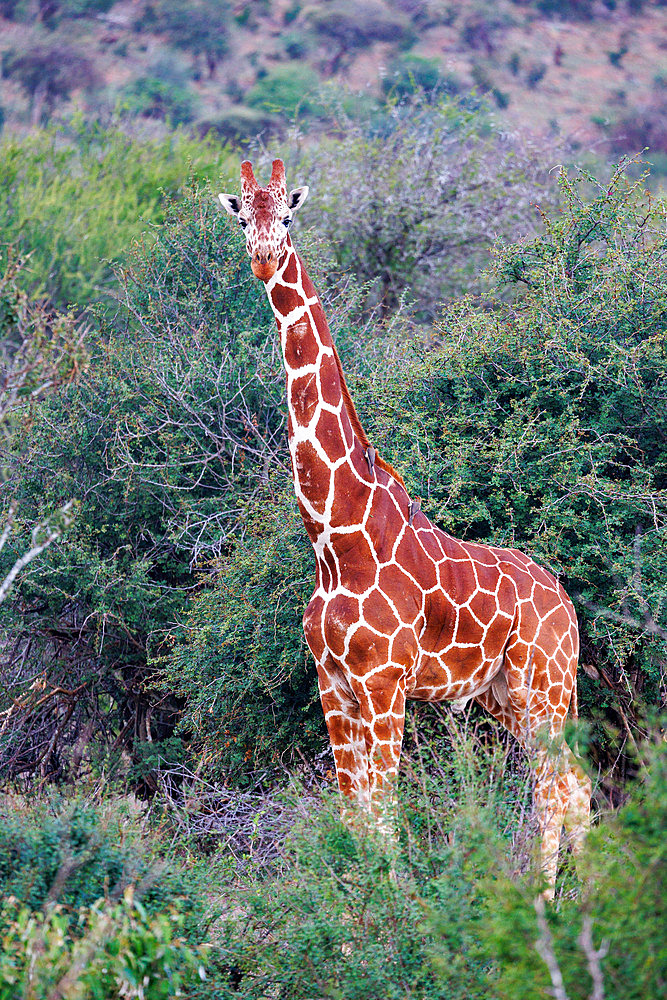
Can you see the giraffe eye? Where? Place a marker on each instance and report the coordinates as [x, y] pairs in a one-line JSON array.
[[243, 223], [286, 223]]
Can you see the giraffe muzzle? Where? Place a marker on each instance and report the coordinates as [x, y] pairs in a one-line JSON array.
[[264, 265]]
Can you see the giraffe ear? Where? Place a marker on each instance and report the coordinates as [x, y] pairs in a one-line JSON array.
[[230, 203], [297, 198]]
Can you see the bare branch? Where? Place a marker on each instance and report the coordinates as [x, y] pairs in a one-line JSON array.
[[593, 957], [544, 948]]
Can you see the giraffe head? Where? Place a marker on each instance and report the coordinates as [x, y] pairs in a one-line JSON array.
[[265, 215]]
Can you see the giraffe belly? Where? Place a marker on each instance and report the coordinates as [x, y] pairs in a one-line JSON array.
[[458, 676]]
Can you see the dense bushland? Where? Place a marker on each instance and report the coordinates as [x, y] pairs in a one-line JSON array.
[[178, 594], [156, 644]]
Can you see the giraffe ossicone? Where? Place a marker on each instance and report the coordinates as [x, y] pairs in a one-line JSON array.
[[400, 608]]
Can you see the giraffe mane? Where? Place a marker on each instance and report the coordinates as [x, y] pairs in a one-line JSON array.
[[356, 423]]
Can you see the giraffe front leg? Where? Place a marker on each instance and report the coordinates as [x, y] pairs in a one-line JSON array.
[[342, 715], [381, 697]]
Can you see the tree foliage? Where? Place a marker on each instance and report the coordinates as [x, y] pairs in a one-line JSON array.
[[201, 26], [411, 198], [173, 428], [49, 72]]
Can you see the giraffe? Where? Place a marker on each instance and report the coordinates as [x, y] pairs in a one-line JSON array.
[[401, 609]]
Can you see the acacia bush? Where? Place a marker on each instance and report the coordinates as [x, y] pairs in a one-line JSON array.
[[67, 851], [290, 90], [120, 950], [157, 444]]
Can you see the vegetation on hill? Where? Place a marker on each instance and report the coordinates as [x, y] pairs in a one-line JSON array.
[[587, 71]]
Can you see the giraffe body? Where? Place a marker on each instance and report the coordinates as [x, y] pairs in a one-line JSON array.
[[400, 608]]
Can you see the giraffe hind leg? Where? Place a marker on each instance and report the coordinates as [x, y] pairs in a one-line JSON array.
[[577, 818], [562, 790]]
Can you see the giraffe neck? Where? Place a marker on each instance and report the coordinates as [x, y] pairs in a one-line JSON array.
[[327, 443]]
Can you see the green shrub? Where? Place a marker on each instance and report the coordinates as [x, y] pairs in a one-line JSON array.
[[289, 89], [412, 73], [240, 661], [534, 74], [71, 853], [117, 950], [175, 426], [75, 207], [541, 425], [151, 97]]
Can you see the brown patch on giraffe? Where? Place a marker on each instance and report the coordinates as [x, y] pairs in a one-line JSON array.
[[429, 543], [383, 690], [404, 648], [304, 398], [410, 557], [482, 606], [529, 621], [457, 579], [355, 559], [284, 300], [406, 598], [290, 274], [313, 475], [383, 525], [301, 347], [329, 381], [496, 636], [330, 436], [487, 578], [339, 612], [440, 621], [378, 613], [311, 527], [506, 596], [467, 629], [482, 555], [312, 627], [350, 496], [366, 651]]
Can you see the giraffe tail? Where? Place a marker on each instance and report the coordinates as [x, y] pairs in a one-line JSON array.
[[574, 702]]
